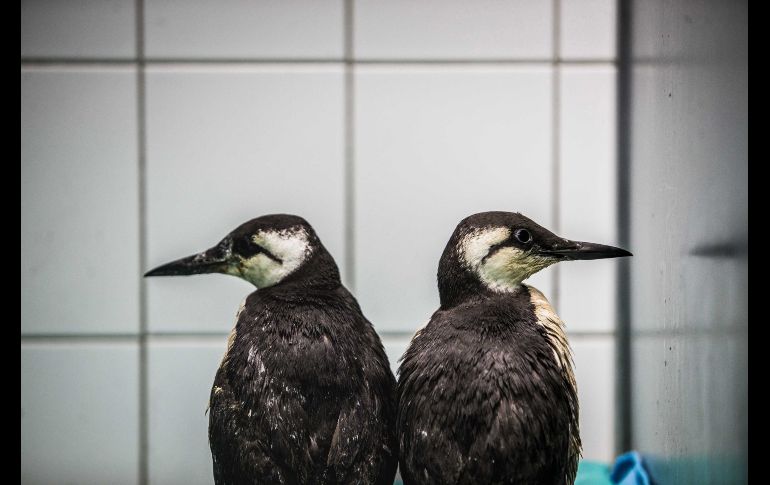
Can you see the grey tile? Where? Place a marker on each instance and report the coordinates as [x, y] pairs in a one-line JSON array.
[[587, 199], [441, 29], [588, 165], [83, 29], [686, 385], [587, 295], [434, 145], [588, 29], [244, 29], [79, 413], [595, 374], [180, 378], [79, 208], [226, 145]]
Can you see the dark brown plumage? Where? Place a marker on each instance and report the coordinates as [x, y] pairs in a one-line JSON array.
[[304, 393], [486, 390]]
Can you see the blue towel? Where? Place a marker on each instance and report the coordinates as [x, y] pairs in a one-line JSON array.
[[629, 469], [589, 473], [592, 473]]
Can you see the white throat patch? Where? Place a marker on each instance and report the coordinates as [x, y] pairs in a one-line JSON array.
[[291, 246], [507, 267], [555, 330]]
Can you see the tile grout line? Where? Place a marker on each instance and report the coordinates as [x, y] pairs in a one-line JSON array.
[[95, 338], [556, 143], [349, 160], [64, 62], [624, 436], [80, 338], [141, 105]]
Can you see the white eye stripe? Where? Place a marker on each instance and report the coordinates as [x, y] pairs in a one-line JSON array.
[[475, 246], [287, 245], [289, 248], [502, 269]]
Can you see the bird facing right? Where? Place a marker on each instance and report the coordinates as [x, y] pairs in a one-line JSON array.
[[486, 389]]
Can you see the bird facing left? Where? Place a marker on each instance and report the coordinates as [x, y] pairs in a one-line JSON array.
[[304, 393]]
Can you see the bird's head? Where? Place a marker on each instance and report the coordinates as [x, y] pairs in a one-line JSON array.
[[496, 251], [264, 251]]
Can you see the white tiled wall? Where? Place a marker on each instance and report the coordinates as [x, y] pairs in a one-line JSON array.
[[456, 108], [79, 412], [181, 373], [96, 29], [268, 29], [588, 29], [587, 291], [433, 145], [79, 201], [226, 144], [453, 29]]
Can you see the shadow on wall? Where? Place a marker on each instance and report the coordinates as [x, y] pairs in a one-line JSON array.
[[689, 233]]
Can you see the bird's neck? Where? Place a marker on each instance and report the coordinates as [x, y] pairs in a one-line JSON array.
[[456, 288], [480, 293], [319, 273]]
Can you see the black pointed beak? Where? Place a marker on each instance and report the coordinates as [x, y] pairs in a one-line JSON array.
[[214, 260], [574, 250]]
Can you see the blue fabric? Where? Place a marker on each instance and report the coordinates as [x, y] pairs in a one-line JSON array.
[[592, 473], [589, 473], [629, 469]]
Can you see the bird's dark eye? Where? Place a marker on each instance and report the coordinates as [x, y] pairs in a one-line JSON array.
[[523, 236]]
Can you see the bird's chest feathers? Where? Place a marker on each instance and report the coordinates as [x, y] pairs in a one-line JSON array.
[[512, 346]]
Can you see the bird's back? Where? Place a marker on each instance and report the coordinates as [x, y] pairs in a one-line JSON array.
[[304, 394], [486, 395]]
